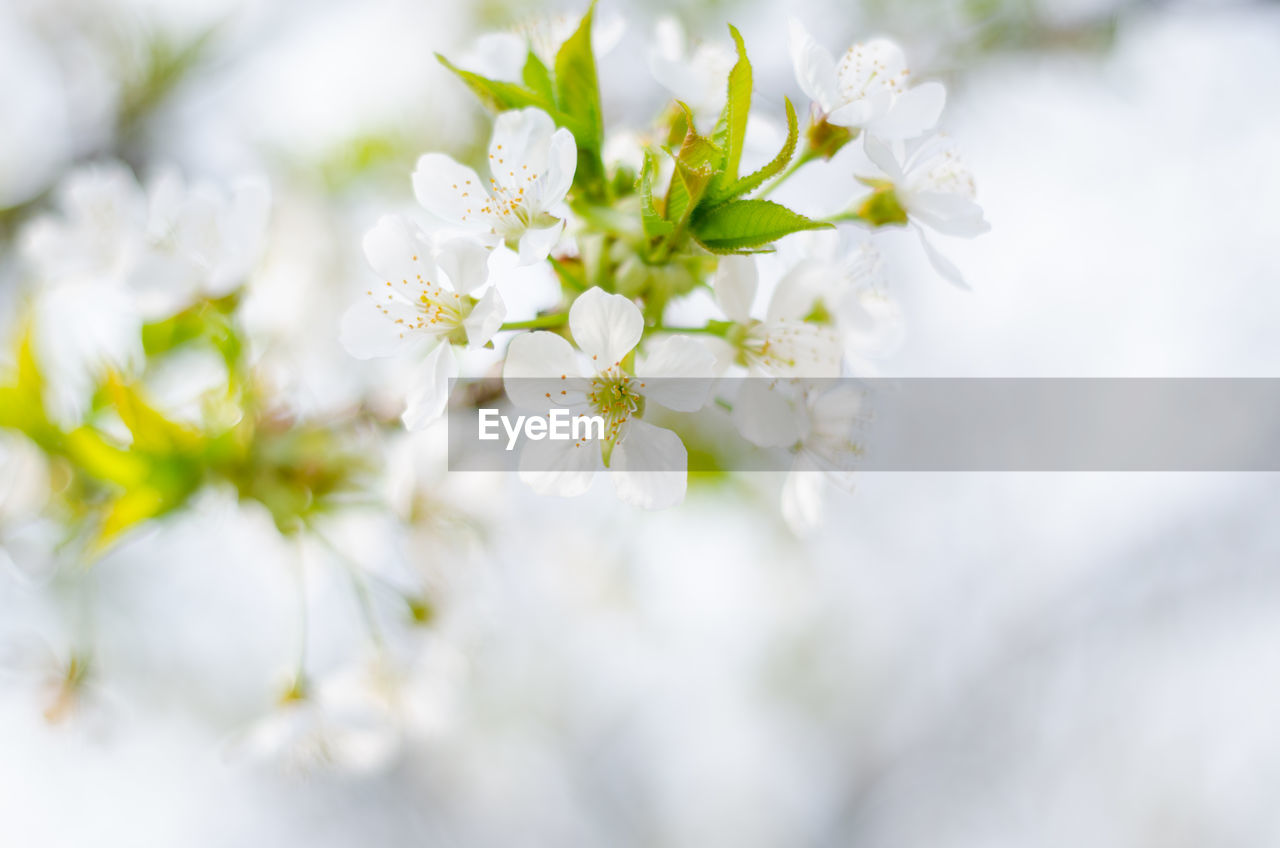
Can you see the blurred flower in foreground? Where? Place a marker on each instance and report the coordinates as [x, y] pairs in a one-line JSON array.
[[695, 77], [114, 255]]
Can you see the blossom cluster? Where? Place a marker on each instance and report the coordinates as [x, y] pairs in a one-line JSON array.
[[637, 227]]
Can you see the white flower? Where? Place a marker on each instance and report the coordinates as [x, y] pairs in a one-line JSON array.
[[201, 240], [532, 165], [349, 723], [422, 299], [826, 452], [841, 275], [111, 257], [935, 188], [85, 318], [697, 77], [868, 90], [502, 55], [784, 344], [648, 463]]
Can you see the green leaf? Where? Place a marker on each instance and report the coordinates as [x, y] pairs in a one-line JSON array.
[[537, 78], [741, 225], [688, 184], [732, 127], [753, 181], [152, 433], [577, 86], [654, 224], [499, 95]]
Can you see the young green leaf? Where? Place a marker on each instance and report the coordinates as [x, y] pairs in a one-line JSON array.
[[499, 95], [742, 225], [577, 86], [753, 181], [537, 78], [732, 127], [654, 224]]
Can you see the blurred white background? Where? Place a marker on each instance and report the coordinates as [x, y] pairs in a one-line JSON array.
[[954, 660]]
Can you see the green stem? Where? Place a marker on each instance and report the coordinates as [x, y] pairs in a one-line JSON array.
[[542, 322], [712, 328]]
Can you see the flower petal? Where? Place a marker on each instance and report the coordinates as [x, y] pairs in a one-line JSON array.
[[452, 192], [540, 365], [802, 496], [677, 373], [913, 112], [485, 318], [464, 259], [650, 466], [535, 245], [558, 467], [884, 158], [519, 147], [735, 283], [606, 326], [369, 333], [400, 253], [768, 413], [555, 180], [430, 393], [814, 66], [942, 264]]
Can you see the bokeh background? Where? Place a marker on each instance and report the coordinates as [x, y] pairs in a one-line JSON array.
[[953, 660]]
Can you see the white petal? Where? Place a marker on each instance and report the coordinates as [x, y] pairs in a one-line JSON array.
[[650, 466], [80, 332], [735, 283], [913, 112], [871, 324], [485, 318], [802, 496], [540, 365], [450, 191], [605, 326], [799, 289], [942, 264], [557, 177], [859, 113], [556, 467], [677, 373], [519, 147], [949, 213], [464, 259], [884, 157], [535, 245], [399, 252], [430, 392], [367, 333], [497, 55], [768, 413], [814, 66]]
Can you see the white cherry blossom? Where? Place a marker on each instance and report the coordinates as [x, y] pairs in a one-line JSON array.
[[935, 188], [869, 89], [531, 165], [826, 453], [695, 76], [502, 55], [422, 299], [647, 463]]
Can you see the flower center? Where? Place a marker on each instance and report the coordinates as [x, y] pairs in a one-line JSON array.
[[615, 397]]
